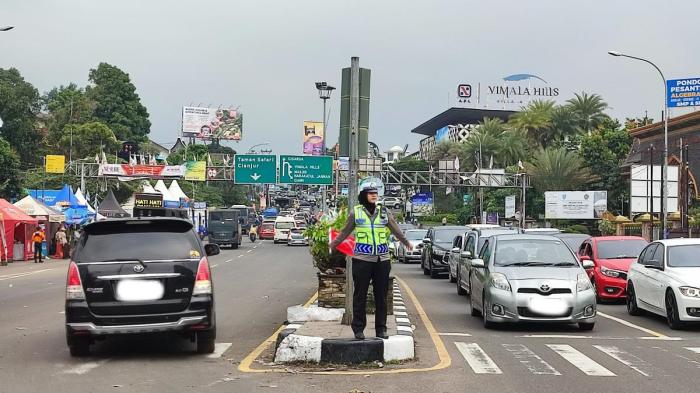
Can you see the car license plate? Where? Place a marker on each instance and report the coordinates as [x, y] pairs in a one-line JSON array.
[[139, 290], [548, 306]]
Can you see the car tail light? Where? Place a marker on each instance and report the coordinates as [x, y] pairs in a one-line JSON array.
[[74, 286], [202, 283]]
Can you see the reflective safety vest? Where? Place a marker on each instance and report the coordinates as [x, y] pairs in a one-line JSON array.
[[371, 236]]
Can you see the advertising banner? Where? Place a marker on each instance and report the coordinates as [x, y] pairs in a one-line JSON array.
[[126, 170], [313, 138], [55, 164], [683, 92], [148, 200], [510, 206], [581, 205], [212, 123], [196, 170], [422, 204]]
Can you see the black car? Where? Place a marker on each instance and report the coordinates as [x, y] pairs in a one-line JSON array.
[[140, 276], [436, 249]]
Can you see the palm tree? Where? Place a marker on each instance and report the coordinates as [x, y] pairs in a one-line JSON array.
[[534, 119], [563, 124], [513, 147], [557, 169], [484, 140], [588, 110]]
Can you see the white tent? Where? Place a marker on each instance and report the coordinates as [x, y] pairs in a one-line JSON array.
[[167, 195], [34, 208], [176, 191], [148, 188], [129, 205], [82, 201]]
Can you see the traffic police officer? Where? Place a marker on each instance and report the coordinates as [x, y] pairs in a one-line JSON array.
[[371, 225]]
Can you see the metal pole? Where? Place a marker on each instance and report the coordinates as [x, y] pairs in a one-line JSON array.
[[651, 190], [664, 173], [352, 178], [522, 202], [324, 204]]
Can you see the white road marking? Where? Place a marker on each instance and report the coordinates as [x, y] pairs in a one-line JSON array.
[[478, 360], [18, 275], [400, 313], [529, 359], [255, 246], [85, 367], [693, 349], [627, 359], [567, 336], [228, 260], [630, 324], [240, 256], [213, 266], [249, 251], [664, 338], [219, 349], [454, 334], [581, 361]]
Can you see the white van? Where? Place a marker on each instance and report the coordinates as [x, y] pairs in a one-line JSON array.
[[282, 227]]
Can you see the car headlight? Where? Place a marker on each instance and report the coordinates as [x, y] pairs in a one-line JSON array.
[[609, 272], [690, 291], [499, 280], [583, 282]]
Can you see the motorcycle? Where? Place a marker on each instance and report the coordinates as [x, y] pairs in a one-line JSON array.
[[253, 234]]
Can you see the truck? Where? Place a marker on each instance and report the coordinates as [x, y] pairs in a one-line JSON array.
[[246, 216], [225, 227]]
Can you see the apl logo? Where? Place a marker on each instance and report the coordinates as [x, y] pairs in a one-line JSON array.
[[464, 91]]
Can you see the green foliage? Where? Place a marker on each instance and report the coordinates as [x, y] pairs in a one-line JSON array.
[[88, 139], [191, 153], [444, 202], [452, 218], [117, 104], [66, 105], [557, 169], [588, 111], [606, 228], [411, 164], [577, 228], [319, 240], [19, 106], [10, 177]]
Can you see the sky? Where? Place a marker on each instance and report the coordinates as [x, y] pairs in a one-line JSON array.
[[264, 56]]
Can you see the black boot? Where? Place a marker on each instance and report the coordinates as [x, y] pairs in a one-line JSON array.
[[359, 335], [382, 334]]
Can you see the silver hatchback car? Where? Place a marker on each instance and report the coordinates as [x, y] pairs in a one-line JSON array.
[[531, 278]]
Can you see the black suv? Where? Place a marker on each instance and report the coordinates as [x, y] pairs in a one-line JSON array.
[[436, 249], [139, 276]]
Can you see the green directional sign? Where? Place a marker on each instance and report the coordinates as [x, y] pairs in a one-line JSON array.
[[306, 170], [255, 169]]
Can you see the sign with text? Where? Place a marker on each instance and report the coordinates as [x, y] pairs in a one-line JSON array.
[[510, 206], [306, 170], [55, 164], [212, 123], [255, 169], [575, 205], [313, 138], [681, 93], [148, 200]]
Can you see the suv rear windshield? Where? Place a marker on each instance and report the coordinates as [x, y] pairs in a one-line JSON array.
[[144, 240], [285, 225], [223, 216]]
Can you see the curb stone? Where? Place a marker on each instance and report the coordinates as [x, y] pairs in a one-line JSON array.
[[291, 347]]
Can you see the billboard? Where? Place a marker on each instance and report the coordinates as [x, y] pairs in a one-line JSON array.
[[212, 123], [683, 92], [510, 206], [641, 180], [313, 138], [196, 170], [126, 170], [55, 164], [422, 204], [575, 205], [148, 200]]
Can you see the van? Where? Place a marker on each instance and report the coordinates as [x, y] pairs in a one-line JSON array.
[[282, 227]]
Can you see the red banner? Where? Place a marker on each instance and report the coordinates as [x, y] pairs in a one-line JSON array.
[[142, 170]]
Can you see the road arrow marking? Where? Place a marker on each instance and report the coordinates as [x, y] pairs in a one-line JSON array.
[[255, 176]]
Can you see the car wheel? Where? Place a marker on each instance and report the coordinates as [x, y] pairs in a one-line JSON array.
[[460, 290], [425, 269], [632, 308], [672, 318], [586, 326], [598, 300], [468, 290], [487, 324], [206, 342], [474, 311], [433, 273], [79, 346], [234, 246], [453, 279]]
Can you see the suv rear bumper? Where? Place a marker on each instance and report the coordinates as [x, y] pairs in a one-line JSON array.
[[134, 329]]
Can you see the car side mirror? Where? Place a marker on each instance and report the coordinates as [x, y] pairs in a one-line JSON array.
[[587, 264], [212, 249], [427, 240], [455, 249], [466, 254], [478, 263]]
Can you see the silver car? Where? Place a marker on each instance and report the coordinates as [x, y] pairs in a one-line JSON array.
[[415, 237], [531, 278]]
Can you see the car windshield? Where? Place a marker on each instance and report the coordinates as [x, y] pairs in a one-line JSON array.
[[485, 235], [447, 235], [620, 249], [138, 241], [223, 216], [574, 241], [285, 225], [416, 235], [530, 252], [684, 256]]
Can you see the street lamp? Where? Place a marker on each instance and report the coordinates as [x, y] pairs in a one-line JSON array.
[[664, 182], [6, 28], [324, 93]]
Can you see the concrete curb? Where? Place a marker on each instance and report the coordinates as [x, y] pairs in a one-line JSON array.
[[291, 347]]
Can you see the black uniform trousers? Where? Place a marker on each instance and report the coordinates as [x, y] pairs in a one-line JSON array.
[[362, 273]]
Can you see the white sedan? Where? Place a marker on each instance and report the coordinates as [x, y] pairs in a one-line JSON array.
[[665, 280]]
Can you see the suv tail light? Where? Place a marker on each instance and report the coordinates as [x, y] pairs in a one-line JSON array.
[[74, 286], [202, 283]]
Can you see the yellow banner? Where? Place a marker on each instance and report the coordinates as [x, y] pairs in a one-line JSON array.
[[196, 171], [55, 164]]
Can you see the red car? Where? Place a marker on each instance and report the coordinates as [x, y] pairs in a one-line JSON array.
[[612, 257], [267, 231]]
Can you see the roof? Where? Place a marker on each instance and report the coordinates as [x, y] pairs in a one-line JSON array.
[[674, 123], [10, 212], [454, 116], [109, 207], [115, 221], [609, 238], [678, 242], [525, 236]]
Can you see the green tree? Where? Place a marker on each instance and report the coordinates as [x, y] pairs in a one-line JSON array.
[[534, 120], [411, 164], [117, 104], [19, 106], [191, 153], [88, 139], [557, 169], [588, 110], [66, 105], [10, 177]]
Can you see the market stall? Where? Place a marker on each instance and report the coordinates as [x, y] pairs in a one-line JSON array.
[[51, 219], [17, 228]]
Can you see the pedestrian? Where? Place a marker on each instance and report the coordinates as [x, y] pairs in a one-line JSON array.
[[444, 221], [38, 239], [61, 241], [371, 225]]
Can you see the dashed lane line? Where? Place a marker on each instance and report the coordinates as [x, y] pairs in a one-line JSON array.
[[455, 334], [25, 274], [84, 368], [228, 260], [219, 349], [633, 326]]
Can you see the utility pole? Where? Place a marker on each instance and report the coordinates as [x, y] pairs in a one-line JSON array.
[[651, 191], [352, 178], [522, 201]]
